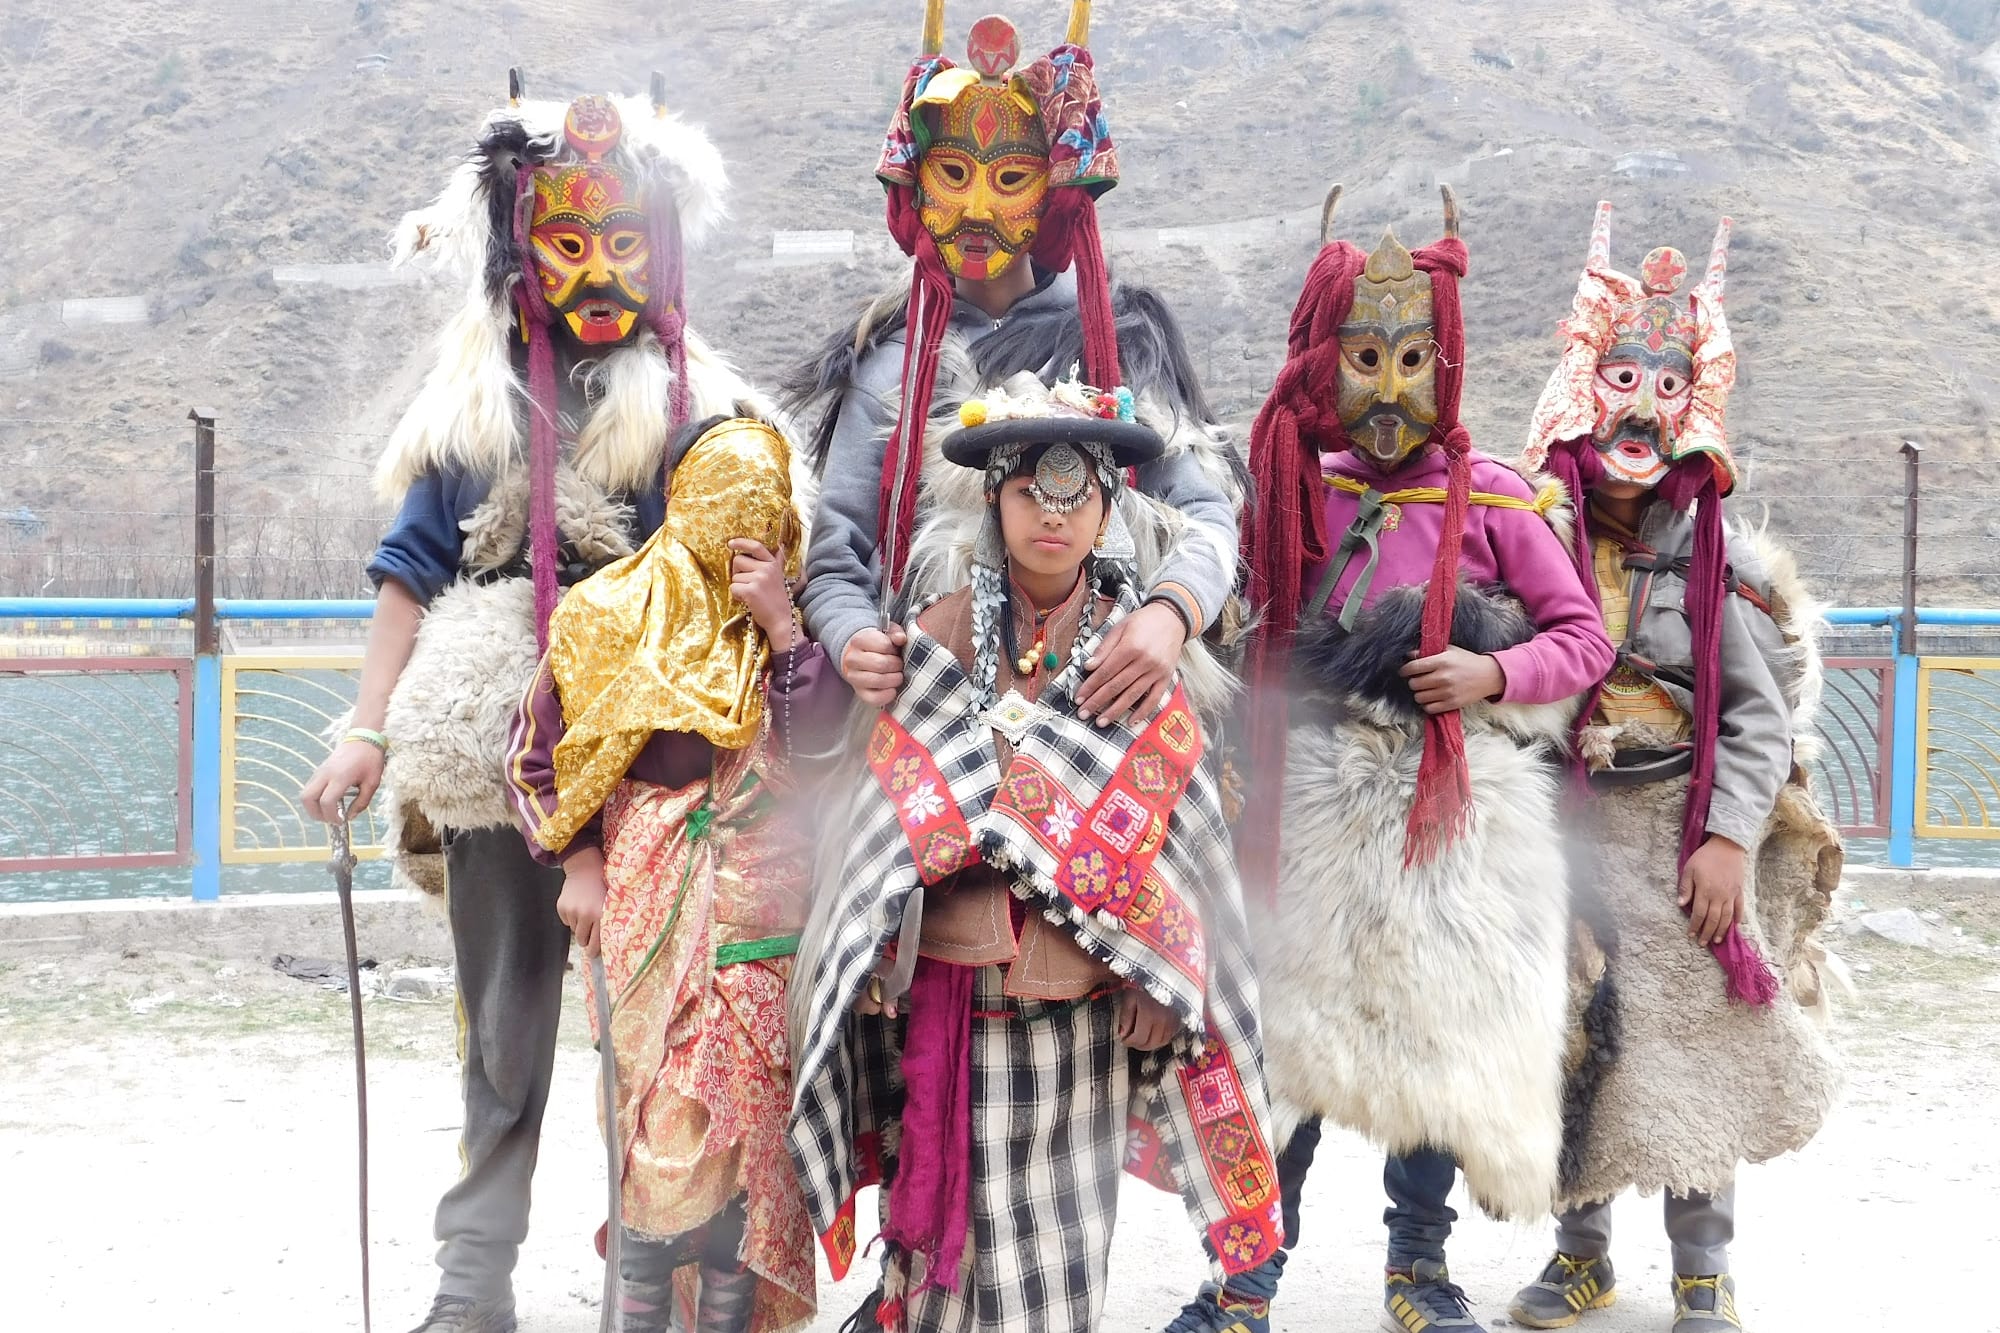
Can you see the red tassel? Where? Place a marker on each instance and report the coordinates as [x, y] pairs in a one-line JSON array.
[[1442, 812], [1072, 218], [543, 446], [1747, 975], [1284, 532], [931, 298], [1695, 482], [666, 312]]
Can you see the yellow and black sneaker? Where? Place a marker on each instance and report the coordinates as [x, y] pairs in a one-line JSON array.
[[1705, 1304], [1569, 1288], [1424, 1297]]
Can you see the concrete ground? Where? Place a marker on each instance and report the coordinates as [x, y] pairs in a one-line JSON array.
[[176, 1155]]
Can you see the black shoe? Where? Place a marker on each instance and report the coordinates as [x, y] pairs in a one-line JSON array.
[[467, 1314]]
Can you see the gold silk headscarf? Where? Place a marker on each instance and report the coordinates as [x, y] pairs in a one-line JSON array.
[[655, 642]]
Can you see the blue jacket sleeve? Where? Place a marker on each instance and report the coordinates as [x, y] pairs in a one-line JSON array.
[[422, 547]]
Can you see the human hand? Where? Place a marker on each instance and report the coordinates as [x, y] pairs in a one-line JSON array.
[[581, 903], [1448, 681], [1142, 1022], [871, 1001], [1131, 667], [353, 766], [757, 579], [872, 664], [1712, 889]]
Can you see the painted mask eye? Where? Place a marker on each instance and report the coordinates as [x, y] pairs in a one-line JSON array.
[[1625, 377], [623, 244], [570, 246], [1671, 383], [1013, 178], [1369, 358], [954, 174], [1413, 357]]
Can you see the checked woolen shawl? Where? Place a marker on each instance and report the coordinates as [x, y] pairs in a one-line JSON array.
[[1120, 837]]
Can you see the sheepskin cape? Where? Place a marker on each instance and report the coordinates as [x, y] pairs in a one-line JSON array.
[[1698, 1083], [1420, 1005]]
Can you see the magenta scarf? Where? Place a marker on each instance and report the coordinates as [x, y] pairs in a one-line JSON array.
[[930, 1199]]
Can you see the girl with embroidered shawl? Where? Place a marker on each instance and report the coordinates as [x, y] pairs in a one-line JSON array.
[[1030, 968], [651, 758]]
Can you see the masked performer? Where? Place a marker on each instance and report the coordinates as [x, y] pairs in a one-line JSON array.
[[531, 457], [1027, 906], [1420, 608], [1705, 868], [650, 765], [993, 172]]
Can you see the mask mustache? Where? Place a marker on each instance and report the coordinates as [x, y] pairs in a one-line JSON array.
[[609, 293], [965, 229], [1364, 427]]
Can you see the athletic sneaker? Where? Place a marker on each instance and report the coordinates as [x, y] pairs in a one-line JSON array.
[[1425, 1297], [1705, 1304], [1568, 1288], [464, 1314], [1214, 1310]]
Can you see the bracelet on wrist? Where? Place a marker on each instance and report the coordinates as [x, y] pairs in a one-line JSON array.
[[1174, 602], [367, 736]]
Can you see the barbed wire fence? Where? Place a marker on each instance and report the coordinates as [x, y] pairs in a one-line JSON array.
[[300, 521]]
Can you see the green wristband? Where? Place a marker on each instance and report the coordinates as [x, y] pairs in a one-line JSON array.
[[374, 738]]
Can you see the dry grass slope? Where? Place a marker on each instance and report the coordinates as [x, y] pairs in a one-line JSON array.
[[200, 145]]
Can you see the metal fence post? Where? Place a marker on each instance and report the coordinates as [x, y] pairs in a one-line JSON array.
[[1905, 757], [206, 797]]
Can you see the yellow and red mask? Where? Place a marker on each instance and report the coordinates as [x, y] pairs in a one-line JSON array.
[[984, 174], [588, 234]]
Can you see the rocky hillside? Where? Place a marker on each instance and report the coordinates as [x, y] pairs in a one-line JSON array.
[[186, 156]]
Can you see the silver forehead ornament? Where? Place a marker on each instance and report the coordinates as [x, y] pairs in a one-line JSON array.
[[1062, 480]]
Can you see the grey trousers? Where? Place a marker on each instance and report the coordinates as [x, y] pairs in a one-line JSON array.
[[1699, 1228], [511, 951]]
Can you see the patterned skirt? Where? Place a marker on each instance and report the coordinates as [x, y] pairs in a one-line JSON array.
[[698, 1031], [1052, 1092]]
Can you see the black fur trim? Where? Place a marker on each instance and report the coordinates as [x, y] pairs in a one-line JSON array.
[[1152, 353], [498, 154], [1600, 1030], [1331, 665]]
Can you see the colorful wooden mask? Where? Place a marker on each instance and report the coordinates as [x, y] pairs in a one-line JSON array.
[[1645, 378], [1386, 385], [983, 176], [588, 231], [1646, 367]]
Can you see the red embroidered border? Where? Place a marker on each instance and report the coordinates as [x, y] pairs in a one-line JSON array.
[[1106, 853], [1238, 1162], [940, 839]]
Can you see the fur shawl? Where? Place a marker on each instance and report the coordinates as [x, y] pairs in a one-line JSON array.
[[1426, 1005]]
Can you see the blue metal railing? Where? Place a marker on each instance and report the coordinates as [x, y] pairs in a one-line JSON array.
[[1906, 726]]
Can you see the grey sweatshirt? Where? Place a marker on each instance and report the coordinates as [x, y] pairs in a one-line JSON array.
[[1753, 753], [843, 575]]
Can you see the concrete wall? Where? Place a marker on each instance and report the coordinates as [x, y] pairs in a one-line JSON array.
[[389, 925]]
